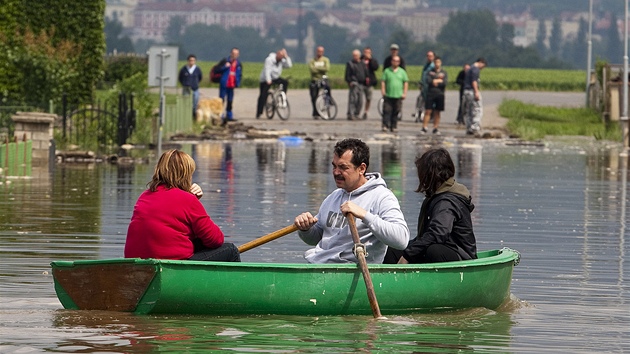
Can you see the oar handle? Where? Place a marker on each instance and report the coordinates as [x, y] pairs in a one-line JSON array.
[[264, 239], [376, 310]]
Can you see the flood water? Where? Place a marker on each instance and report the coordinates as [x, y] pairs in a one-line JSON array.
[[562, 206]]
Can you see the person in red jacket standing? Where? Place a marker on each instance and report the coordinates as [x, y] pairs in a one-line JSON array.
[[169, 221]]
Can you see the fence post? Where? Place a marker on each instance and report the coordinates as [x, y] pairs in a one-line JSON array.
[[64, 108]]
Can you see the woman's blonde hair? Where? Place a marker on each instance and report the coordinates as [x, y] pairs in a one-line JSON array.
[[174, 170]]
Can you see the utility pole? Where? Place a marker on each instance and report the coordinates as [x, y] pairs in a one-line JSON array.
[[624, 107], [589, 55]]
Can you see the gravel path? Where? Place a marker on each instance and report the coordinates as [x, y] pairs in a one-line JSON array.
[[301, 121]]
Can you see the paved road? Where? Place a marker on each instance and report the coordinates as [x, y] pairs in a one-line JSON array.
[[301, 120]]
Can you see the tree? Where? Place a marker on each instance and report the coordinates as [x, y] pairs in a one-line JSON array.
[[580, 46], [114, 40], [376, 38], [173, 32], [43, 56], [404, 40], [614, 44], [541, 36], [335, 40], [506, 36], [473, 30], [555, 41]]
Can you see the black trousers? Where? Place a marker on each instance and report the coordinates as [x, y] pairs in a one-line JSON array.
[[264, 88], [313, 90], [434, 254], [391, 109], [228, 252]]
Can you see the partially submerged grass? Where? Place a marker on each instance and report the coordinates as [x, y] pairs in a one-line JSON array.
[[532, 122]]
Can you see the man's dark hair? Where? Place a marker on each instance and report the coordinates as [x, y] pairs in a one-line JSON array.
[[435, 167], [360, 151], [367, 47], [482, 60], [191, 56], [436, 58]]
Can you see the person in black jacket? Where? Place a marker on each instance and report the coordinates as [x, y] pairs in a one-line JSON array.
[[460, 82], [189, 77], [445, 230], [372, 67], [356, 75]]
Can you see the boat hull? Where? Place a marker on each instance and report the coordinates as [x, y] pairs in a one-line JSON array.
[[218, 288]]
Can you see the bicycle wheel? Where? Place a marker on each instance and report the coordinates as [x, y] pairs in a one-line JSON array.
[[419, 111], [379, 105], [282, 106], [270, 106], [326, 107]]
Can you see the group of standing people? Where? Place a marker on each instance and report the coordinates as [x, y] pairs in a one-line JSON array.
[[230, 69], [360, 75]]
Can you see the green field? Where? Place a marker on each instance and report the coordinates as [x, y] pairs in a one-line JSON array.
[[491, 78]]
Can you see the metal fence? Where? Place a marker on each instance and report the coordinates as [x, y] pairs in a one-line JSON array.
[[97, 126]]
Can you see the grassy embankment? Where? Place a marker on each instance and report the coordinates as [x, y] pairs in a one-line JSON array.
[[491, 78], [531, 122]]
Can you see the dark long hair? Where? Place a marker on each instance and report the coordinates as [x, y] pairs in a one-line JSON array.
[[434, 167]]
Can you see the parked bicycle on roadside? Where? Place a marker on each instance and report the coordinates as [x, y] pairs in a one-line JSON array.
[[277, 102], [418, 112], [324, 103]]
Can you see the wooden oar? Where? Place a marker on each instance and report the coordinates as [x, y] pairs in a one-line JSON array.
[[264, 239], [360, 253]]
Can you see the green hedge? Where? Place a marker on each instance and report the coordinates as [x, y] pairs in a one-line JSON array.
[[50, 46]]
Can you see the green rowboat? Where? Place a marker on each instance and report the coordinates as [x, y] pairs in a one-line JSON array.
[[151, 286]]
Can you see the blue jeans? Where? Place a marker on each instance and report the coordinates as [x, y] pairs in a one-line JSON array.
[[195, 96]]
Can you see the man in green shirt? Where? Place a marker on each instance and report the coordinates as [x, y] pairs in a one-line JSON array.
[[318, 66], [394, 85]]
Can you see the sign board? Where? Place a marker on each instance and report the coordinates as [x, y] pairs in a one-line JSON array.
[[163, 66]]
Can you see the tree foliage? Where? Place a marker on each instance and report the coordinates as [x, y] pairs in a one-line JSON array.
[[50, 46], [555, 41], [214, 42], [115, 40], [472, 30], [541, 36], [335, 41]]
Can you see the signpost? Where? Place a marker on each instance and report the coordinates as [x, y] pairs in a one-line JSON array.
[[163, 73]]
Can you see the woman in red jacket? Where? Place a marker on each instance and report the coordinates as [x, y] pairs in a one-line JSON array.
[[169, 221]]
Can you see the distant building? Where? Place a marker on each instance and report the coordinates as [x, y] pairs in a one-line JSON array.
[[152, 19], [424, 25], [121, 10]]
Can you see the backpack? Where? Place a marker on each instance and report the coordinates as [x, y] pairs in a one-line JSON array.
[[215, 72]]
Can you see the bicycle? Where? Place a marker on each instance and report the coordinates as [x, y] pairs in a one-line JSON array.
[[277, 102], [325, 104], [418, 112]]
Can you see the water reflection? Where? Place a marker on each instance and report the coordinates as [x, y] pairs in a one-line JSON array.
[[88, 331], [562, 206], [392, 168]]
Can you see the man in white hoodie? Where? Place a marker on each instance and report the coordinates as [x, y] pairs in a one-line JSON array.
[[270, 74], [380, 222]]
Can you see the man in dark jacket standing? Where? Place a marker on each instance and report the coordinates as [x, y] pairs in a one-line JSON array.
[[190, 77], [460, 81], [372, 67], [356, 74]]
